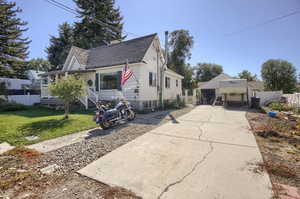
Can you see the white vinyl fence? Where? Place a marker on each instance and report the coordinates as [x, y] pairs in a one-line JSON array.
[[190, 98], [25, 99], [293, 99], [268, 96]]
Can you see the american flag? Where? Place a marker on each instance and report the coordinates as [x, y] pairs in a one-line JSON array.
[[126, 74]]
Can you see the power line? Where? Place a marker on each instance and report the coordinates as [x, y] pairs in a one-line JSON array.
[[63, 5], [265, 22], [57, 5], [73, 11]]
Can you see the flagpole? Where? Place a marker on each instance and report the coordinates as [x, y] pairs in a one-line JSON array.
[[137, 81], [132, 73]]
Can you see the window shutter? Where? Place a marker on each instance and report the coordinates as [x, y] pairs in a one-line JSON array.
[[150, 79], [97, 81], [119, 76]]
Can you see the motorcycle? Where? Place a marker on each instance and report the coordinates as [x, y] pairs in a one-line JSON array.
[[107, 118]]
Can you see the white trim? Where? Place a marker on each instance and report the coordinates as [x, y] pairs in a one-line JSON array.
[[115, 67], [170, 72]]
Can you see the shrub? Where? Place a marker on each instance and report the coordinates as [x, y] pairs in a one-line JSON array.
[[11, 106], [68, 90], [280, 107], [174, 104]]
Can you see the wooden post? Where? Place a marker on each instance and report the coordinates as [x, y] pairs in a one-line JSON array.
[[56, 77], [86, 102], [242, 98]]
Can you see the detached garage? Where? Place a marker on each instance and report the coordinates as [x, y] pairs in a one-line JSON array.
[[226, 90]]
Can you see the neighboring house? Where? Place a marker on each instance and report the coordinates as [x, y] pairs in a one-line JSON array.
[[34, 76], [21, 91], [230, 90], [101, 68]]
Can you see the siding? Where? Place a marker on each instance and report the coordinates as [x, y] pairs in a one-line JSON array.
[[128, 91], [172, 92], [151, 58]]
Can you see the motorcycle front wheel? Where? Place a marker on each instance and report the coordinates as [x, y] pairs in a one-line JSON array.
[[105, 125]]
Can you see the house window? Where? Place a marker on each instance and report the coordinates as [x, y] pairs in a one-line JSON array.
[[167, 82], [176, 82], [110, 81], [152, 79]]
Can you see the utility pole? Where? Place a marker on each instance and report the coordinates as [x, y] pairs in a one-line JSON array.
[[162, 70]]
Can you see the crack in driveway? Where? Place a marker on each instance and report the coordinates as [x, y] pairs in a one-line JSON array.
[[166, 189]]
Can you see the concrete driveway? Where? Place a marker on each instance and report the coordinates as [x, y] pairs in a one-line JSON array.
[[208, 153]]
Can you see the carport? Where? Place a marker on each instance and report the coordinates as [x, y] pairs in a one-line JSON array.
[[208, 96]]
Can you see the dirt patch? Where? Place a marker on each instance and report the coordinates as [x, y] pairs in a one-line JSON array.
[[279, 143], [266, 134], [117, 192], [22, 152], [278, 169], [19, 178]]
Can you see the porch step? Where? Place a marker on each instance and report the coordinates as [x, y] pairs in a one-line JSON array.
[[91, 104], [51, 101]]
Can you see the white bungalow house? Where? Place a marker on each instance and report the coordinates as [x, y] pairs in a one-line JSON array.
[[101, 68]]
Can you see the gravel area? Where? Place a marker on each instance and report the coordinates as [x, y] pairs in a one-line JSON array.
[[76, 156]]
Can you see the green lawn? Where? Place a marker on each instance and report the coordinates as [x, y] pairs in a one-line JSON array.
[[42, 122]]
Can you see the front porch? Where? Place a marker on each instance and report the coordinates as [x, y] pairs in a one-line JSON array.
[[99, 86]]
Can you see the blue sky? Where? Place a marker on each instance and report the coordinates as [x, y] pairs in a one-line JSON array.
[[209, 22]]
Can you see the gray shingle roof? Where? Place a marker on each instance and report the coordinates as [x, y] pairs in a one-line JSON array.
[[115, 54], [214, 83], [257, 85], [81, 55]]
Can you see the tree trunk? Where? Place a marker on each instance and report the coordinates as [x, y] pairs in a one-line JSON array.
[[66, 110]]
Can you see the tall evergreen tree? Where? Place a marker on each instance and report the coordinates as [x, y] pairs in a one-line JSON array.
[[60, 46], [39, 64], [90, 31], [13, 47]]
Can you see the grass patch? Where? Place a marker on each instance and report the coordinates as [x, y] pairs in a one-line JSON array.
[[41, 122]]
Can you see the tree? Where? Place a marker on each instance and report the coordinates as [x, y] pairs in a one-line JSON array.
[[60, 46], [3, 89], [100, 23], [207, 71], [39, 64], [181, 43], [279, 75], [13, 47], [68, 90], [247, 75]]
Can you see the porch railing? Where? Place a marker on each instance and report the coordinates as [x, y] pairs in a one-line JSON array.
[[92, 95], [84, 101]]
